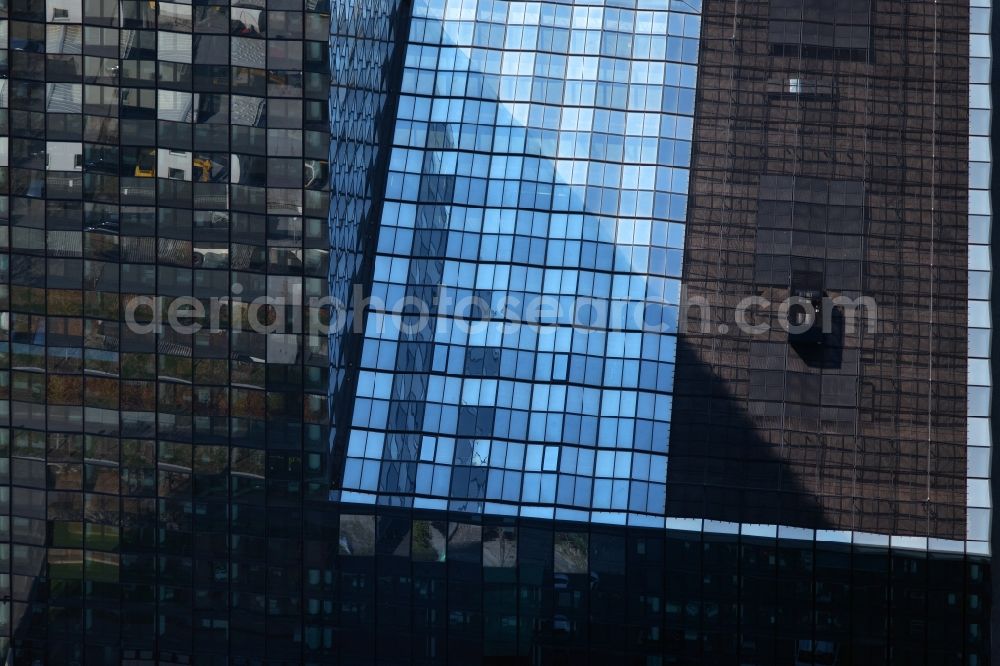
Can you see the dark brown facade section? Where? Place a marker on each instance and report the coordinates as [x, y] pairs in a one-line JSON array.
[[830, 160]]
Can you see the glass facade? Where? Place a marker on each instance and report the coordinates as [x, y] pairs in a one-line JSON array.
[[366, 52], [540, 592], [979, 502], [543, 473], [158, 149], [832, 171], [544, 225], [509, 180], [539, 163]]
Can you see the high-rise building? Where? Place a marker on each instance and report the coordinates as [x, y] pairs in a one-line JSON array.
[[494, 331], [158, 149]]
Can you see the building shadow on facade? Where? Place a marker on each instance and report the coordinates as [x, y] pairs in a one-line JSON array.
[[721, 467]]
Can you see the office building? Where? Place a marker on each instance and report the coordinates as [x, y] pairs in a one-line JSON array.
[[658, 331]]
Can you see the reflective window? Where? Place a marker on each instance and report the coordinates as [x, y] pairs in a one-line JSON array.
[[535, 202]]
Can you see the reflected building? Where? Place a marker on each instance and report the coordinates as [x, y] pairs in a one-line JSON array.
[[540, 157], [157, 149], [542, 427], [682, 169], [835, 186], [585, 348]]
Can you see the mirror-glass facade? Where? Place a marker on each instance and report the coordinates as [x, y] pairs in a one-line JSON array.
[[538, 179]]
